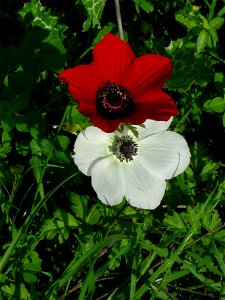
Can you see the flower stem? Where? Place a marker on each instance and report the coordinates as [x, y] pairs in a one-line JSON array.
[[119, 20]]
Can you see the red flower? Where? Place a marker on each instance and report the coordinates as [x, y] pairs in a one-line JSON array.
[[119, 88]]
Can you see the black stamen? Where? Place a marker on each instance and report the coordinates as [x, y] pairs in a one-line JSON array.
[[113, 101], [127, 148], [124, 148]]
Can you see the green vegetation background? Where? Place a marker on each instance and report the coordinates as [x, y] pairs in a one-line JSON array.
[[57, 240]]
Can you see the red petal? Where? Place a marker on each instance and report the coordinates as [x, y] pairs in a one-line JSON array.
[[88, 109], [155, 105], [111, 57], [81, 82], [146, 72], [105, 125]]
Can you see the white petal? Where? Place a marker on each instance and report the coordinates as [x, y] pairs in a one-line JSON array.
[[108, 180], [91, 144], [152, 127], [94, 134], [143, 190], [165, 154]]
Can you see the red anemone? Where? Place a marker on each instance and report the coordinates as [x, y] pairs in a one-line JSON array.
[[118, 87]]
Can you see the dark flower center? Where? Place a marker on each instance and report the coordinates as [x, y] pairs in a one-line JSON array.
[[127, 148], [124, 148], [113, 101]]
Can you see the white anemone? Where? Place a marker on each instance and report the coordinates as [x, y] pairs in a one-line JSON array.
[[122, 165]]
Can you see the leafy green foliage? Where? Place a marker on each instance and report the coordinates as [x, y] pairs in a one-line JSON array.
[[145, 5], [57, 240], [61, 225], [197, 24], [94, 10], [36, 15], [195, 68]]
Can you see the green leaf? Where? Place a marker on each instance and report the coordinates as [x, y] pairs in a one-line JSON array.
[[74, 116], [216, 23], [75, 121], [44, 49], [29, 277], [22, 125], [22, 147], [190, 17], [188, 67], [93, 215], [52, 227], [209, 170], [34, 147], [219, 80], [211, 221], [145, 5], [133, 130], [219, 257], [5, 173], [6, 143], [31, 267], [79, 205], [107, 28], [3, 278], [94, 10], [221, 12], [24, 294], [45, 146], [52, 55], [60, 226], [66, 217], [60, 156], [202, 40], [63, 141], [212, 38], [19, 103], [6, 138], [9, 289], [215, 105], [47, 47], [219, 236], [5, 150], [7, 124], [36, 15], [117, 252], [174, 222]]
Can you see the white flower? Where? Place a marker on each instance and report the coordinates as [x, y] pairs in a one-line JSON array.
[[121, 165]]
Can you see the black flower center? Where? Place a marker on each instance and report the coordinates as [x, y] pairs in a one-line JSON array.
[[123, 147], [113, 101], [127, 148]]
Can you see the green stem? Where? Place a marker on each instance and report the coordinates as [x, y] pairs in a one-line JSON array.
[[119, 19]]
